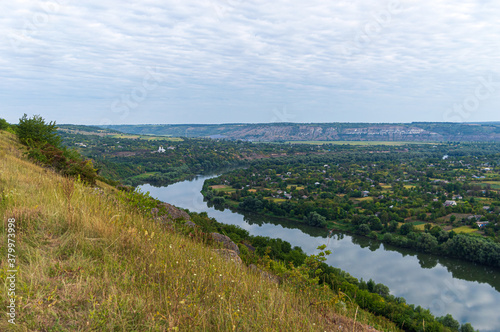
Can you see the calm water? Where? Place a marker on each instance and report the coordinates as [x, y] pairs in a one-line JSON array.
[[471, 293]]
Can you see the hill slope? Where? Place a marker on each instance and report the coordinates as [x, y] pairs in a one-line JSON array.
[[88, 260]]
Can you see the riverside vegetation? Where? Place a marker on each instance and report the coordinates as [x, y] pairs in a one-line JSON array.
[[95, 258]]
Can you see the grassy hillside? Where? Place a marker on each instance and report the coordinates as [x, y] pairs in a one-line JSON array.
[[88, 261]]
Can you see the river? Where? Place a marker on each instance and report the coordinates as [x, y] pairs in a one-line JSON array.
[[470, 292]]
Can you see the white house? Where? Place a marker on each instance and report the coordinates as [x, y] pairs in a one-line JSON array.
[[482, 223], [161, 149]]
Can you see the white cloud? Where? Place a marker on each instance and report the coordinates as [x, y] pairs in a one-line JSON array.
[[320, 59]]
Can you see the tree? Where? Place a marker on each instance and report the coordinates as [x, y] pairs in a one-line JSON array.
[[219, 201], [466, 328], [448, 321], [375, 223], [427, 242], [364, 229], [315, 219], [405, 229], [381, 290], [34, 131]]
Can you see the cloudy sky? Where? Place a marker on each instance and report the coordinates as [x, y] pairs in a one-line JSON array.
[[226, 61]]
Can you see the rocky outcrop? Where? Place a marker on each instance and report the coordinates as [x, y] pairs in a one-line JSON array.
[[165, 214], [229, 255], [175, 213], [249, 246], [191, 224], [226, 242]]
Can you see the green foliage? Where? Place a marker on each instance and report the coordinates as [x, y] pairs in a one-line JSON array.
[[35, 131], [307, 275], [406, 229], [219, 200], [139, 200], [64, 161], [364, 229], [315, 219], [251, 203], [473, 248], [449, 321], [44, 146], [467, 327], [4, 125], [404, 188]]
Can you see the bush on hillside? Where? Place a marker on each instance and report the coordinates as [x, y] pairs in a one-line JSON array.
[[4, 125], [45, 147], [34, 131]]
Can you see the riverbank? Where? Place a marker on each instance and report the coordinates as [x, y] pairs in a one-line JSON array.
[[428, 240]]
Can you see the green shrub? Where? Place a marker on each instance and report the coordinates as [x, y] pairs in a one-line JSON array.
[[4, 125], [34, 131], [44, 147]]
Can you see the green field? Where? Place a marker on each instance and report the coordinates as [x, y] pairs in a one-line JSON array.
[[224, 188], [363, 143], [276, 200], [494, 184], [144, 176], [464, 229], [362, 199]]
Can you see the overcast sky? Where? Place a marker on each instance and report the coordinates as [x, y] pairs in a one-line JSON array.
[[226, 61]]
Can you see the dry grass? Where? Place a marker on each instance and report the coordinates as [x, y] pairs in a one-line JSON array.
[[88, 262]]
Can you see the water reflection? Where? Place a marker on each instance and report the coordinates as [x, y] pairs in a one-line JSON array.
[[471, 293]]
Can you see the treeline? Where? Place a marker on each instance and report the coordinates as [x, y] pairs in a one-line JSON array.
[[433, 240]]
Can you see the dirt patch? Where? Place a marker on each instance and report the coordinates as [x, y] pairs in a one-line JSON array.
[[219, 186]]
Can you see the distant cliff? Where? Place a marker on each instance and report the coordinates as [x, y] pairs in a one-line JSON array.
[[272, 132]]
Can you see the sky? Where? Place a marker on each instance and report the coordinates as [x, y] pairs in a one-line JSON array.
[[234, 61]]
